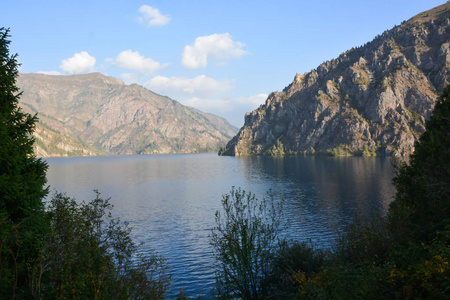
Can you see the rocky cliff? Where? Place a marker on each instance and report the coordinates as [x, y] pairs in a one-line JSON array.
[[371, 100], [94, 114]]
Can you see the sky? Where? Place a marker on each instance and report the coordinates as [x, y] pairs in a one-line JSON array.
[[222, 57]]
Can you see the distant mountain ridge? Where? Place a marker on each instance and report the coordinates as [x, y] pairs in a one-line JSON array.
[[94, 114], [372, 100]]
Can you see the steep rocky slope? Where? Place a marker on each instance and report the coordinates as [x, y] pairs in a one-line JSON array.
[[94, 114], [372, 100]]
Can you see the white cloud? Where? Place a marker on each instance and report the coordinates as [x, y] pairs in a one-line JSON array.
[[199, 86], [134, 61], [219, 105], [152, 17], [79, 63], [220, 47], [206, 94], [233, 108], [49, 72], [252, 101], [129, 78], [228, 104]]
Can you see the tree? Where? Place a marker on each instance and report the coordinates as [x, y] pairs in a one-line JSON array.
[[422, 202], [22, 177], [22, 180], [88, 254], [70, 250], [246, 240]]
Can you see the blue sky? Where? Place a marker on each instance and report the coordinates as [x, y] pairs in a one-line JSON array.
[[222, 57]]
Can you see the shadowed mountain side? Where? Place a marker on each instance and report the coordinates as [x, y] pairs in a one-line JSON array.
[[371, 100], [94, 114]]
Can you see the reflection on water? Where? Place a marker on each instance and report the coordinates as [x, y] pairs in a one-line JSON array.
[[170, 200]]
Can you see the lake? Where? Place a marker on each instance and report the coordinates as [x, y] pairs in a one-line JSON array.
[[170, 200]]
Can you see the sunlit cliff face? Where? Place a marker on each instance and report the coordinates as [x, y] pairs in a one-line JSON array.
[[371, 100]]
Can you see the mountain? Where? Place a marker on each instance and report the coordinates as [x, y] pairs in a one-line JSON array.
[[94, 114], [371, 100]]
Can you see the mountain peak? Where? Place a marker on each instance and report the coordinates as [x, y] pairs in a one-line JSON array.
[[371, 100], [93, 114], [441, 11]]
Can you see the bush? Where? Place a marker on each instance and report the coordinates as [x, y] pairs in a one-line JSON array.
[[420, 270], [365, 239], [88, 254], [295, 263], [246, 240]]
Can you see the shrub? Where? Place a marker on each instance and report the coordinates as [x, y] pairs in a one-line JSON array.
[[88, 254], [365, 239], [277, 150], [245, 240], [294, 264]]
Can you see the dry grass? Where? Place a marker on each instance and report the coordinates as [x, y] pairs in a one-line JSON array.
[[432, 14]]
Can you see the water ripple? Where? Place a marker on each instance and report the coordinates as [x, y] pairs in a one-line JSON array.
[[170, 200]]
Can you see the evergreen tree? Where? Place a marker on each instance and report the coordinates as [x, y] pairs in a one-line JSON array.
[[22, 181], [422, 203]]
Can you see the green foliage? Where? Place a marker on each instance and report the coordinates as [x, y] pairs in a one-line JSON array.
[[22, 181], [422, 199], [391, 270], [245, 241], [71, 251], [352, 271], [363, 79], [277, 149], [283, 96], [369, 151], [88, 254], [22, 176], [341, 280], [223, 151], [341, 150], [414, 115], [421, 270], [365, 239], [405, 255], [295, 262]]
